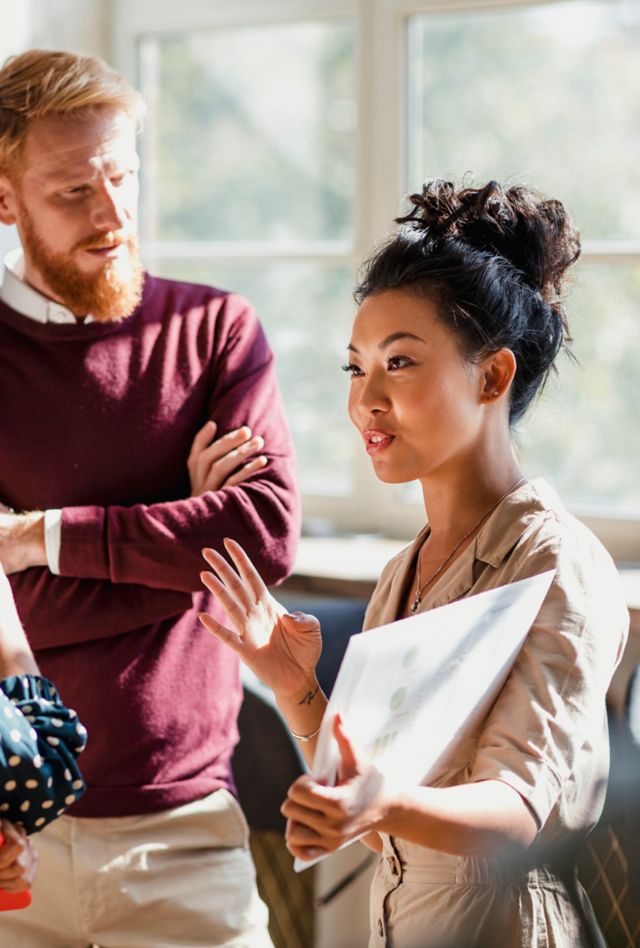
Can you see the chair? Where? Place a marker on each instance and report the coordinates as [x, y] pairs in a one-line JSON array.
[[266, 762], [609, 862]]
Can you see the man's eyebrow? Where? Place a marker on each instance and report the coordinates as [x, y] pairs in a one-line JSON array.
[[64, 174]]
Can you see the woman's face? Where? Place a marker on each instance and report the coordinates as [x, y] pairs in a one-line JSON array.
[[414, 398]]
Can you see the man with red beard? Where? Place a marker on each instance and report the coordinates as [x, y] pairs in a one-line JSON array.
[[140, 421]]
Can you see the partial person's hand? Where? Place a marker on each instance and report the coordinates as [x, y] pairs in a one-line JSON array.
[[18, 859], [320, 819], [225, 462], [21, 540], [16, 657], [281, 649]]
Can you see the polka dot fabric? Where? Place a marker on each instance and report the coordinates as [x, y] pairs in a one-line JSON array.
[[40, 740]]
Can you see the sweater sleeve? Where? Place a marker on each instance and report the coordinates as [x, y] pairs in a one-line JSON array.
[[57, 610], [40, 740], [159, 545]]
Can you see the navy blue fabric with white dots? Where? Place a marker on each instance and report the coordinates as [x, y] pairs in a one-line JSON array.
[[40, 740]]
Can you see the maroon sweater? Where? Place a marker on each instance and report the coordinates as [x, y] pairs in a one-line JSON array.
[[98, 420]]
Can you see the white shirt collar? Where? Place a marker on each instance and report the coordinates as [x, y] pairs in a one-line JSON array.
[[17, 294]]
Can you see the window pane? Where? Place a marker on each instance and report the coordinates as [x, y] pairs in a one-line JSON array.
[[546, 95], [252, 133], [307, 311], [584, 432]]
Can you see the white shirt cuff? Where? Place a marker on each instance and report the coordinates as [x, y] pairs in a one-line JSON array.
[[53, 539]]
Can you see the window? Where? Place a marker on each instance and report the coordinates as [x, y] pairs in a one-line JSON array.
[[249, 184], [283, 136], [566, 122]]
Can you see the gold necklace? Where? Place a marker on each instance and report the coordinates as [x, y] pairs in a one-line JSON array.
[[420, 588]]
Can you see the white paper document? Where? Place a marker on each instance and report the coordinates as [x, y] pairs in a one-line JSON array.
[[406, 691]]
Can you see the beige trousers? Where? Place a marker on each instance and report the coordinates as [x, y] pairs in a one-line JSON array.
[[182, 877]]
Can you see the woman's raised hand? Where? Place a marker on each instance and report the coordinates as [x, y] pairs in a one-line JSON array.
[[281, 649]]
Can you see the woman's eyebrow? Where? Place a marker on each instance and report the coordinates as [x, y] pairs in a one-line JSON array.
[[399, 335], [389, 339]]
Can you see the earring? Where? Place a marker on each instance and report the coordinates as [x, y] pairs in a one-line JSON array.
[[495, 393]]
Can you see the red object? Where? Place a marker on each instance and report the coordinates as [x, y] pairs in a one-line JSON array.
[[13, 900]]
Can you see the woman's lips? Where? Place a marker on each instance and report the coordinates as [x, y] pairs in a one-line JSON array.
[[376, 441]]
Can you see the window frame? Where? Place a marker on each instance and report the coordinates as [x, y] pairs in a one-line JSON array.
[[380, 176]]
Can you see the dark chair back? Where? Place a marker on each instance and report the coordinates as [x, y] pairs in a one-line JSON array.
[[609, 863]]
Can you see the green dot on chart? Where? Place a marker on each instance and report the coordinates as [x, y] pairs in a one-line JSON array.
[[409, 657], [397, 698]]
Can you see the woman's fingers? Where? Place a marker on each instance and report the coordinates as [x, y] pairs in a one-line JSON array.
[[348, 766], [232, 605], [301, 834], [237, 589], [316, 820], [303, 847], [15, 873], [246, 569], [315, 796], [302, 802], [227, 636], [18, 859], [12, 845], [313, 803]]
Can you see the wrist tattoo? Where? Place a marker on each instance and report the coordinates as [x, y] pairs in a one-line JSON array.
[[310, 695]]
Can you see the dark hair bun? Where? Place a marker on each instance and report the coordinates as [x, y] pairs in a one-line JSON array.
[[493, 261], [534, 234]]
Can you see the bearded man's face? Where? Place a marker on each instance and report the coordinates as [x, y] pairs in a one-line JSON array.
[[76, 212]]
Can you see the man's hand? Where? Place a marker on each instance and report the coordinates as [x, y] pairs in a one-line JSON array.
[[21, 540], [18, 859], [225, 462]]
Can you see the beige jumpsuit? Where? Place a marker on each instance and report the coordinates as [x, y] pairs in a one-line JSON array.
[[546, 735]]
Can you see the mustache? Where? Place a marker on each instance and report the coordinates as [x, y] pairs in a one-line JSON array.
[[104, 240]]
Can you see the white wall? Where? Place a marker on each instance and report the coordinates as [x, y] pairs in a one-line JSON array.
[[80, 26]]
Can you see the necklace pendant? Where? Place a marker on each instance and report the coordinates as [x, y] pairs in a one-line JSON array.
[[416, 604]]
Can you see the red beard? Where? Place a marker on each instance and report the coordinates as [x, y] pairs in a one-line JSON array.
[[110, 295]]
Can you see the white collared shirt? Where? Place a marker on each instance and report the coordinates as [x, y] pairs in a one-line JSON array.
[[24, 299]]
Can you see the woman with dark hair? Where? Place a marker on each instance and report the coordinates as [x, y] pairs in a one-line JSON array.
[[460, 322]]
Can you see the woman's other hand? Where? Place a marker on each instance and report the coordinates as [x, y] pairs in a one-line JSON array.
[[321, 819], [18, 859], [281, 649], [225, 461]]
